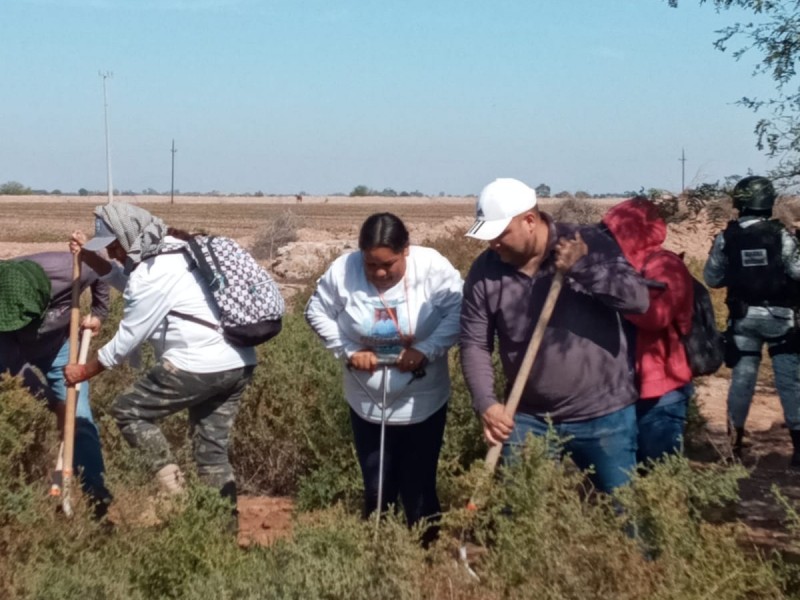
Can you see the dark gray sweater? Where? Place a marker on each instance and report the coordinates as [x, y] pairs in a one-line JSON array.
[[42, 341], [582, 370]]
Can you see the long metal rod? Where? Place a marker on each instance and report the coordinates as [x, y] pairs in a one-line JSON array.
[[381, 454], [382, 448]]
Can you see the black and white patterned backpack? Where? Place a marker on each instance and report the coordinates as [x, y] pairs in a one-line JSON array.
[[250, 304]]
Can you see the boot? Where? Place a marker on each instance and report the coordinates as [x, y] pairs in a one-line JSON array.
[[794, 463], [170, 480], [228, 492], [736, 435]]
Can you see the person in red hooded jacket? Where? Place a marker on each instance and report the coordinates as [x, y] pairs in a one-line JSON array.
[[662, 369]]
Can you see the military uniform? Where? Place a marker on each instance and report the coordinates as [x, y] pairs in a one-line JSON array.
[[758, 261]]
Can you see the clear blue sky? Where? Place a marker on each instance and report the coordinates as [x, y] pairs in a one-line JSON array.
[[319, 96]]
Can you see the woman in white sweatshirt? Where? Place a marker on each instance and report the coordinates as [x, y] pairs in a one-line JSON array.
[[393, 303]]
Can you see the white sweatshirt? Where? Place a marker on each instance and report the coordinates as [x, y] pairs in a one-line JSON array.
[[155, 287], [347, 313]]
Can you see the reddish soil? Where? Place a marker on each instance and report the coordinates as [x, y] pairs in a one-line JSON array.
[[264, 519]]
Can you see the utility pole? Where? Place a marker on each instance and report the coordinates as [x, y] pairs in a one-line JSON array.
[[106, 75], [682, 160], [172, 186]]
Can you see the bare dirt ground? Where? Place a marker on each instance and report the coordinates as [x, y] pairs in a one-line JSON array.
[[766, 457], [329, 225], [263, 520]]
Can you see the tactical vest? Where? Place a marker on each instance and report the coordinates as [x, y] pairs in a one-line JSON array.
[[755, 273]]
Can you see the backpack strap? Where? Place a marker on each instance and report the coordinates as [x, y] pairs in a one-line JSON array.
[[660, 285], [198, 261], [193, 319]]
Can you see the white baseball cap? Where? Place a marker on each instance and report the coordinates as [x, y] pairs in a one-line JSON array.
[[499, 202], [103, 236]]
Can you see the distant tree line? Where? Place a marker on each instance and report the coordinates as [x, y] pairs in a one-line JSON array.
[[14, 188], [705, 190], [363, 190]]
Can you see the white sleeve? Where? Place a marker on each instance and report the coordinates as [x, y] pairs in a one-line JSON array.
[[146, 305], [444, 291], [322, 312]]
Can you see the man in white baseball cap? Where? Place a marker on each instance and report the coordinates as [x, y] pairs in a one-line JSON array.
[[580, 384], [499, 202]]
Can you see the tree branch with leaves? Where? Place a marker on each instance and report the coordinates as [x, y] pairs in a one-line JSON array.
[[774, 36]]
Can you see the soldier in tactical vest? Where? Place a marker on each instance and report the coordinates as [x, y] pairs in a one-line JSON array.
[[758, 260]]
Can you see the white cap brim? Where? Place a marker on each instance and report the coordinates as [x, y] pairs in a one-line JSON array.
[[97, 243], [487, 230]]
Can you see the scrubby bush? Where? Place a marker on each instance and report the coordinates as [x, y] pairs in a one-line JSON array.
[[279, 232], [548, 536], [574, 210], [461, 251], [787, 210], [297, 433], [25, 425]]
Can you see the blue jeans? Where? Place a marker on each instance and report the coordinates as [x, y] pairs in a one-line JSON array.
[[88, 457], [759, 327], [661, 423], [607, 444]]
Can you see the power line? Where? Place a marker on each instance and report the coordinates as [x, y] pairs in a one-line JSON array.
[[172, 186], [682, 160]]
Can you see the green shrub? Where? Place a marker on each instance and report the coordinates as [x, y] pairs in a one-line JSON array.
[[297, 436], [695, 559], [546, 534], [27, 433], [548, 538]]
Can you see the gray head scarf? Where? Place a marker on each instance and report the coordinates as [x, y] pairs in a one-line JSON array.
[[140, 233]]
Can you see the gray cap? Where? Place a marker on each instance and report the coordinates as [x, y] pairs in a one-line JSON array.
[[103, 236]]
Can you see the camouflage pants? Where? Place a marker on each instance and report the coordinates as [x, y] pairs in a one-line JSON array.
[[212, 400]]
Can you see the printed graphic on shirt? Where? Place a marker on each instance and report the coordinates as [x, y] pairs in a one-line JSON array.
[[756, 257], [386, 330]]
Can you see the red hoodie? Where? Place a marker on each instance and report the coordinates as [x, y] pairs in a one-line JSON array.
[[661, 364]]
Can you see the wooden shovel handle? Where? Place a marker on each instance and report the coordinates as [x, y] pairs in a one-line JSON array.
[[527, 363], [72, 392]]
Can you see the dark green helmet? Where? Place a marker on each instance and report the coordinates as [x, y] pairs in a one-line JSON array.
[[754, 193]]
